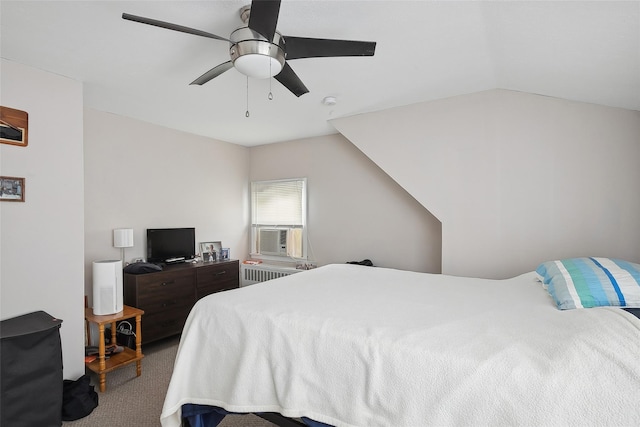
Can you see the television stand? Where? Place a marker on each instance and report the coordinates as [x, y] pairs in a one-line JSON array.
[[174, 260]]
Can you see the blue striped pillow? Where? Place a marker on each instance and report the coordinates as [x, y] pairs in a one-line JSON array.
[[591, 282]]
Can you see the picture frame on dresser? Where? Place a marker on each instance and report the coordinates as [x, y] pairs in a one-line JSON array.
[[210, 251]]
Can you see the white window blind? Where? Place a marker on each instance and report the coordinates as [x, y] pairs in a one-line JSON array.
[[278, 203]]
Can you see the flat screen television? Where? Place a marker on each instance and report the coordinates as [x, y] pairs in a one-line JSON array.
[[171, 245]]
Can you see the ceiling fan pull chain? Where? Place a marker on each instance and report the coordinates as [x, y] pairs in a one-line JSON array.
[[247, 112], [270, 96]]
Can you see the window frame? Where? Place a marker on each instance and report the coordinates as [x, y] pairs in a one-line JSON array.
[[255, 227]]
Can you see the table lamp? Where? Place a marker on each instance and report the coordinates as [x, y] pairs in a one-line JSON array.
[[123, 238]]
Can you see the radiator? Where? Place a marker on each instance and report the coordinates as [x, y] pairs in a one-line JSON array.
[[261, 273]]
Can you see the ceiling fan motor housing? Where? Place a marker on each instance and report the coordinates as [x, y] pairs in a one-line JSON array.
[[253, 55]]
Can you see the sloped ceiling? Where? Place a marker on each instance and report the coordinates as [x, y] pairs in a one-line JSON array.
[[426, 50]]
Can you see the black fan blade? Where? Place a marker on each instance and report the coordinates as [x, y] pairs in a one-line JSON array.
[[263, 17], [213, 73], [291, 81], [302, 47], [170, 26]]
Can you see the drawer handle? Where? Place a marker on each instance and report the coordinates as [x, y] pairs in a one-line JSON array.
[[220, 273], [168, 283]]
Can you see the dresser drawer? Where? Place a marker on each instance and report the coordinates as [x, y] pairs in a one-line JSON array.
[[170, 288], [151, 282], [217, 278], [163, 324], [166, 301]]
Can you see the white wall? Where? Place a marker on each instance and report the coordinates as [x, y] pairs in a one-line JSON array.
[[355, 210], [41, 240], [515, 178], [139, 175]]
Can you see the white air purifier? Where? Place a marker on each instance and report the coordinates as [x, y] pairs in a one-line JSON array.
[[107, 287]]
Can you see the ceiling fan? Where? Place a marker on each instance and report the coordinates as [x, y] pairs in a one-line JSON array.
[[259, 50]]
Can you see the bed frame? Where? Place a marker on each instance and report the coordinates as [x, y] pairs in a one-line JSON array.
[[280, 420], [272, 417]]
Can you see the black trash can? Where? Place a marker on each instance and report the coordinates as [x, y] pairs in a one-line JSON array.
[[31, 371]]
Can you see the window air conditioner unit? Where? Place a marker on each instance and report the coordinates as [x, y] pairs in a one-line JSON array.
[[273, 241]]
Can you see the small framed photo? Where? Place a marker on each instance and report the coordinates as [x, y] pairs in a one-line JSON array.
[[14, 126], [11, 189], [224, 254], [210, 251]]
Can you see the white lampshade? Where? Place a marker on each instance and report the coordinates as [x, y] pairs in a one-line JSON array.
[[123, 238]]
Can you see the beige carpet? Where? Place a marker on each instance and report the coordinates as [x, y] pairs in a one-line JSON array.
[[131, 401]]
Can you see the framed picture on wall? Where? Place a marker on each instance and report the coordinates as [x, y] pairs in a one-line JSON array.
[[11, 189], [14, 126], [210, 251]]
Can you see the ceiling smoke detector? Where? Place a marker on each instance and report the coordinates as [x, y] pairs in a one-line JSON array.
[[329, 100]]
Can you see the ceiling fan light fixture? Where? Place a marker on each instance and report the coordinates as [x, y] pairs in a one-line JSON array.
[[258, 66], [254, 56]]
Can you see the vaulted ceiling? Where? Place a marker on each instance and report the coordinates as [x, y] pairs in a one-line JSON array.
[[578, 50]]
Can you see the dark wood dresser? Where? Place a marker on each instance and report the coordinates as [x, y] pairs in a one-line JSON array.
[[168, 295]]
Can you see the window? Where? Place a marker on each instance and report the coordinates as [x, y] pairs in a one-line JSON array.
[[279, 219]]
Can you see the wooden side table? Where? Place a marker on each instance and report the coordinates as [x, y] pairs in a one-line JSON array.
[[101, 365]]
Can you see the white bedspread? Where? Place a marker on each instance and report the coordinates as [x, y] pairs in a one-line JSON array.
[[359, 346]]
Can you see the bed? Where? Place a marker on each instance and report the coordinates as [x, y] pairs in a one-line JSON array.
[[347, 345]]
